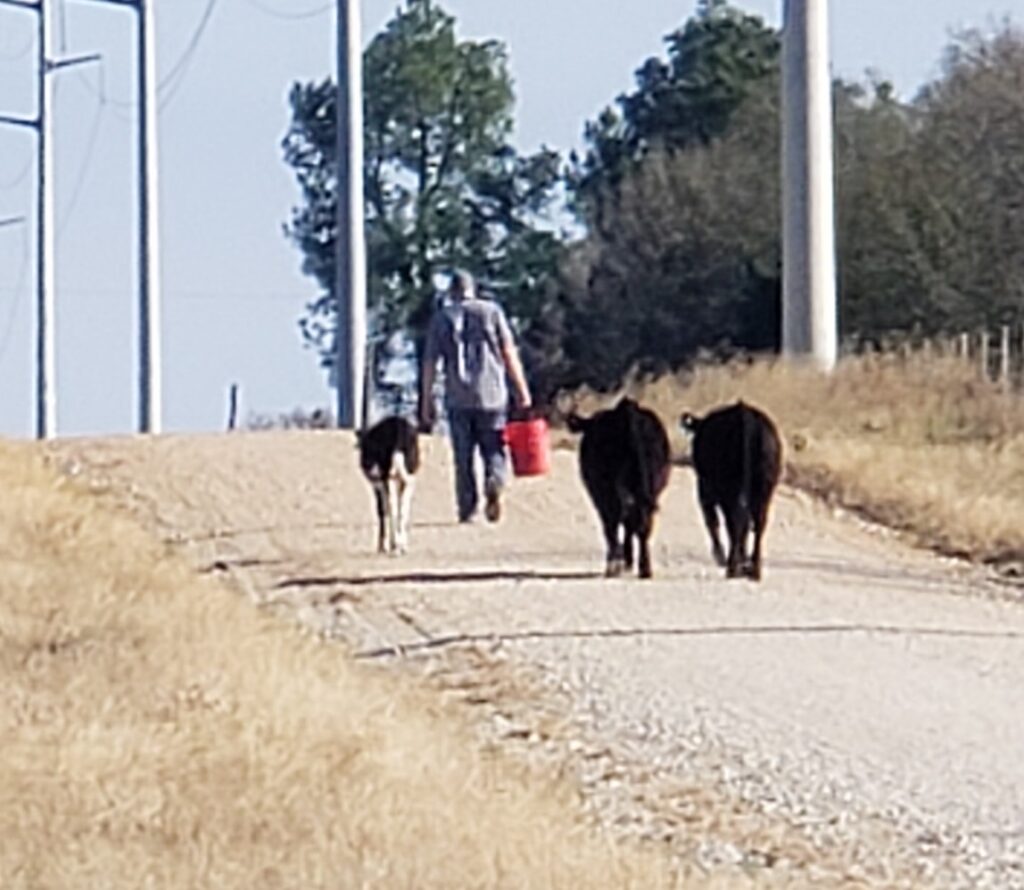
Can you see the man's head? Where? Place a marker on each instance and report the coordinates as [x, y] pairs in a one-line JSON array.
[[462, 286]]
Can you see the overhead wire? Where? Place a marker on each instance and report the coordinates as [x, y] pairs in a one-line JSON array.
[[90, 148], [17, 295], [121, 109], [62, 25], [19, 177], [171, 82], [273, 12], [18, 54]]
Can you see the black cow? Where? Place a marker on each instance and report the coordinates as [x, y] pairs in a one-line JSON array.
[[389, 455], [737, 455], [624, 462]]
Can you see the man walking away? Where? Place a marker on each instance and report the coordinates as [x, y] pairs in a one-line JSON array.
[[472, 338]]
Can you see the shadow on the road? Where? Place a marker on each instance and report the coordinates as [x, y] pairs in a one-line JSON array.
[[445, 577], [902, 576], [247, 562], [227, 533], [711, 631]]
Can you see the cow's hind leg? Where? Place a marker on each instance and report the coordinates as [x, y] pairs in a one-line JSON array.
[[627, 548], [611, 523], [759, 520], [404, 482], [643, 534], [737, 522], [381, 497], [615, 562], [708, 505], [638, 526], [393, 508]]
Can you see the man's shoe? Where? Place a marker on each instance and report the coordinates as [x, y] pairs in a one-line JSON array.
[[493, 509]]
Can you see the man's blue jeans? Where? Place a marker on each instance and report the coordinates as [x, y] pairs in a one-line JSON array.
[[470, 430]]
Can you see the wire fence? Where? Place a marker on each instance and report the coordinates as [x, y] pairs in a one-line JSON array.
[[996, 353]]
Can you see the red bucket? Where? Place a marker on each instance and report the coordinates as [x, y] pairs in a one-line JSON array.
[[529, 446]]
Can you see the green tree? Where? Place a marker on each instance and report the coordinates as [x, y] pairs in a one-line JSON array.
[[970, 191], [686, 261], [718, 59], [443, 184], [886, 276]]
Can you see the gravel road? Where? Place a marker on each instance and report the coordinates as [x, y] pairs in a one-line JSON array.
[[854, 720]]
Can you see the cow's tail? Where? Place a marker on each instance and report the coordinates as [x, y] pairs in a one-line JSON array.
[[648, 497], [748, 437]]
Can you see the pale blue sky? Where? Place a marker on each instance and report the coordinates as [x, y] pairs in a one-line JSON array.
[[231, 283]]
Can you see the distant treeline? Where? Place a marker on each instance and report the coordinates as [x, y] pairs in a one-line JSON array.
[[674, 246]]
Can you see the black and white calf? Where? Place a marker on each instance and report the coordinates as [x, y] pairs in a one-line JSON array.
[[389, 455]]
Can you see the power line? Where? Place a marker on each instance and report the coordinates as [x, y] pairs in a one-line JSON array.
[[179, 68], [16, 297], [90, 148], [62, 24], [171, 82], [275, 13], [120, 110], [18, 54], [19, 177]]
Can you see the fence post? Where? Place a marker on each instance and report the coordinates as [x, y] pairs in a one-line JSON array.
[[963, 349], [233, 406], [1004, 357], [983, 355]]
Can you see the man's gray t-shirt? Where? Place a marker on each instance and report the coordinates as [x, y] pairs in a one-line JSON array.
[[470, 336]]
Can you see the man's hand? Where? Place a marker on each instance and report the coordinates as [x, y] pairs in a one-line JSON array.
[[428, 416], [522, 399]]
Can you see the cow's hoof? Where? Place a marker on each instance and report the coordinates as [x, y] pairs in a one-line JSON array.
[[646, 572], [613, 569]]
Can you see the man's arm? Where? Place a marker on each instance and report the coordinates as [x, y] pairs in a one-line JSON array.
[[515, 372], [513, 366]]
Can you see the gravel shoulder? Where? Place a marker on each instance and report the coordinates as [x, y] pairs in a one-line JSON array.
[[854, 720]]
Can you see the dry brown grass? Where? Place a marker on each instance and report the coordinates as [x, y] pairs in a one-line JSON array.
[[157, 731], [920, 443]]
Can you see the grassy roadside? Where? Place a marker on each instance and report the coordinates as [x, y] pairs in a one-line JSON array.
[[156, 731], [918, 443]]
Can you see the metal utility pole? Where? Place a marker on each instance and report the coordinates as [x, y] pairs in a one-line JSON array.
[[46, 355], [149, 355], [350, 244], [809, 323], [42, 123], [150, 383], [46, 396]]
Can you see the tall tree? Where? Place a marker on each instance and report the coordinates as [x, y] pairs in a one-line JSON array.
[[716, 60], [443, 184], [886, 274], [971, 177]]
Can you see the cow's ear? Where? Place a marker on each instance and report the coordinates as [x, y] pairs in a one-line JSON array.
[[574, 423]]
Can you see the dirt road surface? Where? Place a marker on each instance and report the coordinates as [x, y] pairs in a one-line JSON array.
[[858, 716]]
